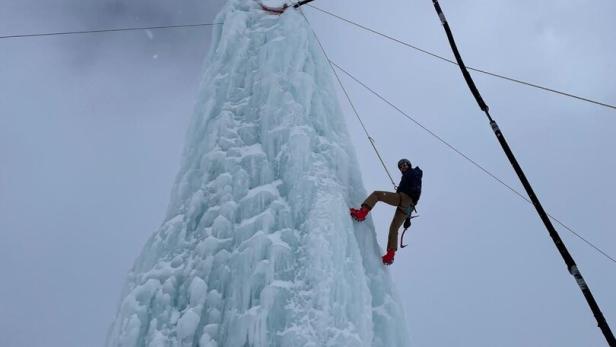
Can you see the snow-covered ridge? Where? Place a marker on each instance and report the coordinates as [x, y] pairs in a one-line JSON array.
[[257, 248]]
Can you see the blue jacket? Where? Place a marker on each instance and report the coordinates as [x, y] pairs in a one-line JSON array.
[[410, 183]]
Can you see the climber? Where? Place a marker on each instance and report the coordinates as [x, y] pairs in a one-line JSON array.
[[405, 199], [281, 9]]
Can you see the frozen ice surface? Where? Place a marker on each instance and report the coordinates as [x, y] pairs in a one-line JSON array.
[[257, 248]]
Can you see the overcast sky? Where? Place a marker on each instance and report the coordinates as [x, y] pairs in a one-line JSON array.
[[92, 127]]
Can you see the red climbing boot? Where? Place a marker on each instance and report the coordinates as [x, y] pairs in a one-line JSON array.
[[360, 215], [388, 258]]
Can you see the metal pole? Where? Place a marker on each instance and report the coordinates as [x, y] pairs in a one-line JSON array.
[[571, 265]]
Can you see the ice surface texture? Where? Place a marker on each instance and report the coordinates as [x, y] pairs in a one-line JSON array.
[[258, 248]]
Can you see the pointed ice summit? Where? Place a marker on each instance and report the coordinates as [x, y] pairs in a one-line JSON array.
[[257, 248]]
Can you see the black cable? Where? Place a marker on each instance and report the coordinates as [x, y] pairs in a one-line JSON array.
[[445, 142], [372, 142], [470, 68], [107, 30], [486, 171], [560, 245]]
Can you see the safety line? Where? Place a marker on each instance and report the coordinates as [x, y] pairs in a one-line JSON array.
[[372, 142], [486, 171], [449, 145], [470, 68], [108, 30]]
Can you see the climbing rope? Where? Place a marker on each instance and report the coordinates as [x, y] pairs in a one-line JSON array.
[[370, 138], [434, 55]]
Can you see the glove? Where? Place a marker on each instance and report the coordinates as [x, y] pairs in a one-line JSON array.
[[407, 223]]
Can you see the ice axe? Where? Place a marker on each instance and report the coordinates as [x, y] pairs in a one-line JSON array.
[[402, 245]]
